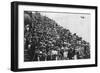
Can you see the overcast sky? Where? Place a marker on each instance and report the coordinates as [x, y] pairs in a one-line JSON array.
[[76, 23]]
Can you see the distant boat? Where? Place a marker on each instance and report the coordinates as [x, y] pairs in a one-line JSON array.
[[82, 17]]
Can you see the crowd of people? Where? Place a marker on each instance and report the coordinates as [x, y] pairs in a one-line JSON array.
[[45, 40]]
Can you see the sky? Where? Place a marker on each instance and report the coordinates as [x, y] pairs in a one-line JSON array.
[[75, 22]]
